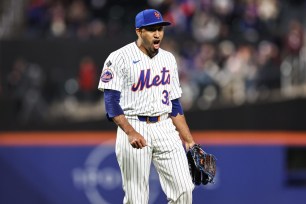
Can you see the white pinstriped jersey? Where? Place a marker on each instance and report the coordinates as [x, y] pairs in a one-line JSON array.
[[147, 85]]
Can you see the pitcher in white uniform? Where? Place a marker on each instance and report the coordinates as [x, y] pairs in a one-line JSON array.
[[141, 91]]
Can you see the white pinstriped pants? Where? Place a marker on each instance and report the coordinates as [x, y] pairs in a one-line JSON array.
[[166, 151]]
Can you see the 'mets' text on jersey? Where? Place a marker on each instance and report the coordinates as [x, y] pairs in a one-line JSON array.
[[146, 82], [147, 85]]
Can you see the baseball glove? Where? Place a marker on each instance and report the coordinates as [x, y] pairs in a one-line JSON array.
[[202, 166]]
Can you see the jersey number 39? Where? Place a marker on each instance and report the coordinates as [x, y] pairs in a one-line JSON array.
[[166, 97]]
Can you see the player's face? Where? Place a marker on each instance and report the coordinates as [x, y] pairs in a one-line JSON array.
[[150, 38]]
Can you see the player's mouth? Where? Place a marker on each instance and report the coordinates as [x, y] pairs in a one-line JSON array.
[[156, 44]]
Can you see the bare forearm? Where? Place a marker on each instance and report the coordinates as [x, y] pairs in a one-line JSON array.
[[135, 139], [124, 124], [180, 123]]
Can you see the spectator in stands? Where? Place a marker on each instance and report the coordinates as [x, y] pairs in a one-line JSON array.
[[26, 82], [268, 66], [88, 79]]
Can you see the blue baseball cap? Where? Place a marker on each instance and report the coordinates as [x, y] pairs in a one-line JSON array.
[[149, 17]]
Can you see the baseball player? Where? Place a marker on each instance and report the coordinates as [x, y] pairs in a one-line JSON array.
[[141, 91]]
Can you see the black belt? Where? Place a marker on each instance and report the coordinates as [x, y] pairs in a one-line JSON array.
[[149, 119]]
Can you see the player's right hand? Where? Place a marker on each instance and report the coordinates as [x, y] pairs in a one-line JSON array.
[[137, 140]]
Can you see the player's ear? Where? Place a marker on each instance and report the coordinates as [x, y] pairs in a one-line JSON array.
[[138, 31]]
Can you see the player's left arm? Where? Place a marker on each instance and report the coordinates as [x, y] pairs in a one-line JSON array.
[[177, 114], [180, 123]]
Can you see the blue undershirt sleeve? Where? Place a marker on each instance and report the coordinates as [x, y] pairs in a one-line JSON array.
[[112, 99], [176, 107]]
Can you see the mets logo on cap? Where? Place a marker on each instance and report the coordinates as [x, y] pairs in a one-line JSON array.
[[157, 15], [107, 75]]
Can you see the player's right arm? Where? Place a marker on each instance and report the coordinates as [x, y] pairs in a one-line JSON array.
[[111, 83], [115, 113], [135, 139]]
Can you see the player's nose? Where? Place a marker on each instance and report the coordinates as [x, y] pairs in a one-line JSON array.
[[157, 34]]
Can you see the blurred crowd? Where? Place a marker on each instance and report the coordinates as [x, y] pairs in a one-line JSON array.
[[228, 51], [41, 96]]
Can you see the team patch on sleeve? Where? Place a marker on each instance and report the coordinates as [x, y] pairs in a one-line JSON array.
[[109, 63], [107, 75]]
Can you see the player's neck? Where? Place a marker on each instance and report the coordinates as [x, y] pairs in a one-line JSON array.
[[144, 50]]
